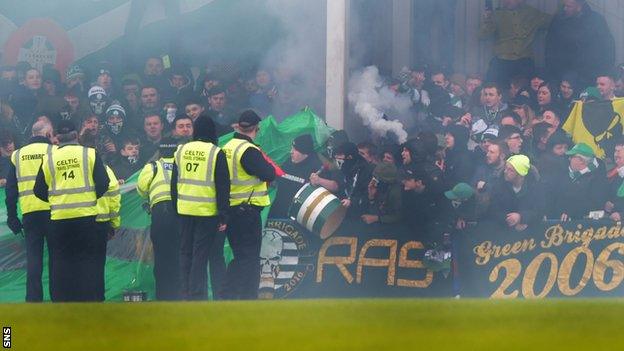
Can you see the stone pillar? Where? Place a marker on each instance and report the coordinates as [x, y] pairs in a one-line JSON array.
[[336, 64], [401, 34]]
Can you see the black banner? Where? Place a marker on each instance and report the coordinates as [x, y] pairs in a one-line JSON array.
[[572, 259], [357, 261]]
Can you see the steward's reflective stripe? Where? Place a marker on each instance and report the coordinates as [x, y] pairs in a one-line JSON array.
[[71, 191], [247, 195], [74, 205], [196, 198], [17, 165], [107, 216], [26, 178], [112, 193], [161, 195], [26, 192], [196, 182], [235, 180], [162, 182]]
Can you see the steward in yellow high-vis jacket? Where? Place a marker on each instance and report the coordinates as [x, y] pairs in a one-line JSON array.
[[72, 177], [154, 183], [249, 174], [200, 186], [107, 221], [25, 164]]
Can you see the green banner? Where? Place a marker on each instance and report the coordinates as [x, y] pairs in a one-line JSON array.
[[129, 254]]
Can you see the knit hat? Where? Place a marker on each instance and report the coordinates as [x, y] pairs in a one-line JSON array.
[[95, 90], [414, 172], [461, 191], [74, 71], [167, 147], [347, 149], [490, 133], [204, 129], [116, 110], [248, 119], [386, 172], [506, 131], [558, 138], [304, 144], [520, 163], [581, 149]]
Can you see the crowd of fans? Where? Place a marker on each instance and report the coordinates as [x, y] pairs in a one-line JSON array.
[[481, 148]]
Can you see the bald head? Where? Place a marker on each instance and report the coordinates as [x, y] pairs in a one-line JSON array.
[[42, 128]]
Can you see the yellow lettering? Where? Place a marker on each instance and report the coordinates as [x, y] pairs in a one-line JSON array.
[[404, 262], [339, 261], [376, 262]]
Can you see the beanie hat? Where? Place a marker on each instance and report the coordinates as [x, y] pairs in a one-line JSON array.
[[416, 172], [304, 144], [167, 147], [74, 72], [520, 163], [204, 129], [458, 79], [116, 110], [558, 138], [386, 172], [490, 133], [95, 90], [506, 131], [347, 149]]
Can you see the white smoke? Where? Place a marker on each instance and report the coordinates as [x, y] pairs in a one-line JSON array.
[[297, 60], [371, 98]]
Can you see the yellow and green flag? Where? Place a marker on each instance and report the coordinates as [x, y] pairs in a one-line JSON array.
[[597, 124]]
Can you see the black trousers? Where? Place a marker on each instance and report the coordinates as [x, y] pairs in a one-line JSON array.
[[197, 235], [216, 265], [502, 71], [166, 243], [103, 229], [36, 229], [244, 233], [75, 259]]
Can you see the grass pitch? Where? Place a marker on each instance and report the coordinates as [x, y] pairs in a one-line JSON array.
[[401, 324]]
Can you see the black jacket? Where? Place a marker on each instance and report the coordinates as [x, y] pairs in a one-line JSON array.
[[529, 202], [582, 44], [297, 174], [577, 197]]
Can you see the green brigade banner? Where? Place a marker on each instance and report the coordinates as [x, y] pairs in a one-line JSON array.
[[571, 259], [358, 261], [129, 260]]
